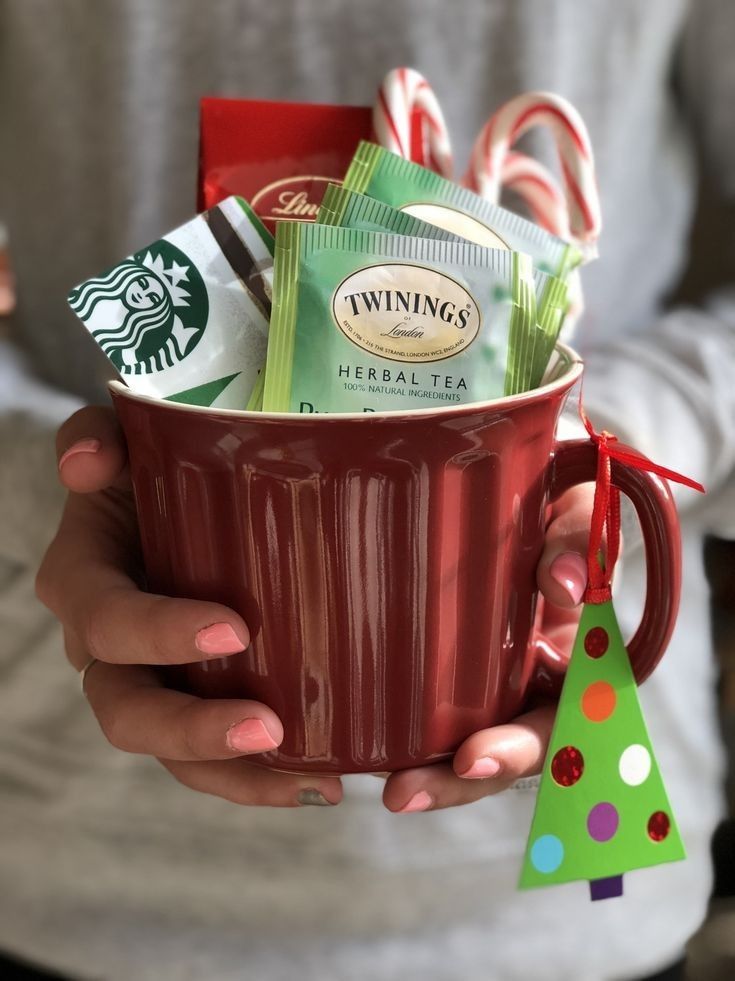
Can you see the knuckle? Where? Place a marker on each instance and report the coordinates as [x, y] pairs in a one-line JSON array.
[[99, 624], [45, 584], [71, 649], [96, 629], [179, 775], [120, 724], [161, 629], [188, 723], [113, 727], [42, 585]]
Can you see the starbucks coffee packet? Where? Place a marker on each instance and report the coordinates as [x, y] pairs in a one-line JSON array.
[[186, 319], [366, 321], [421, 193]]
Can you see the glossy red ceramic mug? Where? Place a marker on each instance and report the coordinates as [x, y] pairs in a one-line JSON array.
[[385, 563]]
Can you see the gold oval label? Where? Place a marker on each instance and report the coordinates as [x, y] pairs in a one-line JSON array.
[[294, 198], [406, 313], [458, 223]]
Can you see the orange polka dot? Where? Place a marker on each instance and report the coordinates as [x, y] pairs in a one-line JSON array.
[[598, 701]]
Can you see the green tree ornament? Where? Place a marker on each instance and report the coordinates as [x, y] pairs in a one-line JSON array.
[[602, 809]]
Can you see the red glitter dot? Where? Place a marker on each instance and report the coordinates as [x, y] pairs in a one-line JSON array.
[[567, 766], [596, 642], [658, 825]]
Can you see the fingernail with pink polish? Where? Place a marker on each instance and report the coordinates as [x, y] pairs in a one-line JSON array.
[[419, 802], [81, 446], [250, 736], [486, 766], [218, 638], [570, 570]]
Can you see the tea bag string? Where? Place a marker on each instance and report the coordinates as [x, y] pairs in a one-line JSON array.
[[606, 506]]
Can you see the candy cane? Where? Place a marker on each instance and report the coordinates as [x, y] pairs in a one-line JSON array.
[[539, 191], [515, 118], [546, 203], [406, 95], [404, 98]]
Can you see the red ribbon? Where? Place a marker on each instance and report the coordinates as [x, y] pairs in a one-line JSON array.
[[606, 508]]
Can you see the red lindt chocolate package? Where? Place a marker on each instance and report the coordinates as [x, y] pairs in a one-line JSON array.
[[279, 156]]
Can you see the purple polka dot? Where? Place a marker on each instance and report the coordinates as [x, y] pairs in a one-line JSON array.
[[602, 821]]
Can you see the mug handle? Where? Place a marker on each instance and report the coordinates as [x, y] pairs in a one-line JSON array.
[[575, 462]]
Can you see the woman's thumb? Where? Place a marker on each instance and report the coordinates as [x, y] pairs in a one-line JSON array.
[[562, 571], [91, 451]]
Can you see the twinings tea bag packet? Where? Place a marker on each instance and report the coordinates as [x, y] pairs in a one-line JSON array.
[[537, 347], [423, 194], [186, 318], [366, 321], [280, 156], [553, 303], [348, 209], [255, 402]]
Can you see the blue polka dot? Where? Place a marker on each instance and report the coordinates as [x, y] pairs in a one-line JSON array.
[[547, 853]]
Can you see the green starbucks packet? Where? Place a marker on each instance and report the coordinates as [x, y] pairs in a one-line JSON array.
[[350, 209], [421, 193], [186, 319], [364, 321]]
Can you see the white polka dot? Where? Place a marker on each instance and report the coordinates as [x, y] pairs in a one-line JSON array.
[[635, 765]]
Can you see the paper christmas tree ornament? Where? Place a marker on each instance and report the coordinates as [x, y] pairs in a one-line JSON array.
[[602, 809]]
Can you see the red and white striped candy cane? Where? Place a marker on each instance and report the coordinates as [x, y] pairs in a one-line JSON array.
[[543, 197], [539, 191], [405, 98], [509, 123]]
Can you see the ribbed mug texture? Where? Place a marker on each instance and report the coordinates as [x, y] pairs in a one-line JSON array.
[[385, 565]]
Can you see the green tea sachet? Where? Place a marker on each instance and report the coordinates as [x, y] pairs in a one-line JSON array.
[[186, 319], [255, 402], [366, 321], [421, 193], [348, 209], [552, 301]]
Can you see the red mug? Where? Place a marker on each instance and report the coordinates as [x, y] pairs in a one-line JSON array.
[[385, 563]]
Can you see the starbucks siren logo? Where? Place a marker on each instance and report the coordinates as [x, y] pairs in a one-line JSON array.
[[148, 313]]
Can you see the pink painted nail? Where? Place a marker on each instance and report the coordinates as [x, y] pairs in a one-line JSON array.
[[219, 638], [81, 446], [419, 802], [570, 570], [486, 766], [250, 736]]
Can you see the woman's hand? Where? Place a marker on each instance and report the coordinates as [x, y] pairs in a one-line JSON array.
[[491, 760], [88, 580]]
